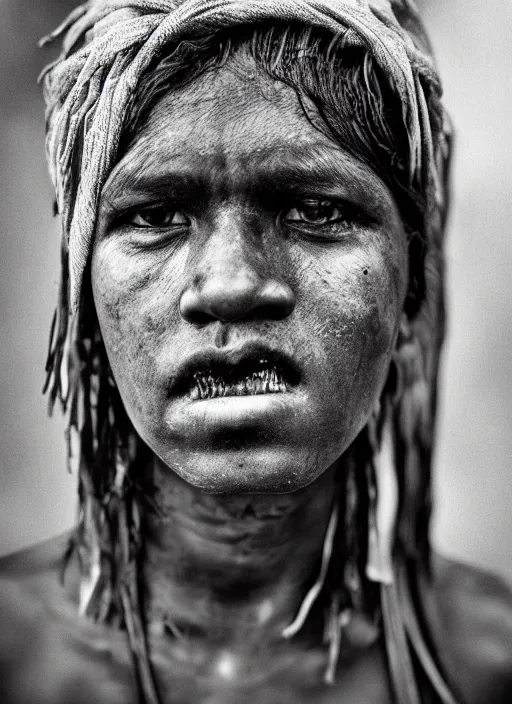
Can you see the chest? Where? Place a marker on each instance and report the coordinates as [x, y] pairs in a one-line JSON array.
[[287, 675], [79, 667]]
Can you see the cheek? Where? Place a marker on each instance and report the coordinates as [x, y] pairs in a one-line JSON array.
[[352, 304], [136, 315], [355, 294]]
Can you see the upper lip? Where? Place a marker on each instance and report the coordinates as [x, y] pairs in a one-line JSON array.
[[230, 361]]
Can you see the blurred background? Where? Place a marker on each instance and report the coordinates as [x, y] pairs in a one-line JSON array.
[[473, 479]]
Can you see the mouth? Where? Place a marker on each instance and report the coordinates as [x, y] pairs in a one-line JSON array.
[[265, 380], [249, 370]]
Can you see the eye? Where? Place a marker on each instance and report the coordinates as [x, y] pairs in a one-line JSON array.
[[313, 211], [158, 216]]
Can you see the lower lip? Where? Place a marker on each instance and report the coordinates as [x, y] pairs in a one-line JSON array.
[[237, 412]]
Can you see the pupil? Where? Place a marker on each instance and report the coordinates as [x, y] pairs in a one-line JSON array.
[[156, 216], [316, 212]]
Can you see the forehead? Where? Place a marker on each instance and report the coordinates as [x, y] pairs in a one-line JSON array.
[[227, 109], [235, 125]]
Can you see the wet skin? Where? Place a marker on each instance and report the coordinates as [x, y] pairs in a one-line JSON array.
[[231, 222]]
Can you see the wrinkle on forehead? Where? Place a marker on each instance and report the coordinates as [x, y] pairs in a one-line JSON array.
[[217, 98], [213, 126]]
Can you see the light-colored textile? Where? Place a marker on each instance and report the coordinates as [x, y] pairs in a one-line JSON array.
[[88, 90]]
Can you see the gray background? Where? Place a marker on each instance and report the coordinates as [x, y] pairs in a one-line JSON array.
[[473, 520]]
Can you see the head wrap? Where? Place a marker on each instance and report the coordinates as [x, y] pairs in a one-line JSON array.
[[88, 92], [108, 48]]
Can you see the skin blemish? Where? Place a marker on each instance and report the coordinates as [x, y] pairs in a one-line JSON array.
[[139, 283]]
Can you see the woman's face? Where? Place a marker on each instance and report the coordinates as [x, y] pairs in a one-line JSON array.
[[249, 277]]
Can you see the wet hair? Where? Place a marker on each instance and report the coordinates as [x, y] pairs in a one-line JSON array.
[[345, 94]]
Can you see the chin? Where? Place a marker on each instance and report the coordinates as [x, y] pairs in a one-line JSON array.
[[242, 471]]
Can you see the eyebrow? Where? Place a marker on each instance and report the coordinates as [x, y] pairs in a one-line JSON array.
[[134, 179], [187, 177], [329, 168]]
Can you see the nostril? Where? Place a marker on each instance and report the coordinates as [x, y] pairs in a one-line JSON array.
[[192, 310], [266, 312], [199, 318]]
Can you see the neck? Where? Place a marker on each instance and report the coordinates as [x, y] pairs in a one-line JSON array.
[[231, 568]]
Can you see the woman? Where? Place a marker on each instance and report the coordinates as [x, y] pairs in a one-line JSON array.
[[253, 198]]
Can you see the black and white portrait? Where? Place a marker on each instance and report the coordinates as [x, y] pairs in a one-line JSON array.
[[255, 254]]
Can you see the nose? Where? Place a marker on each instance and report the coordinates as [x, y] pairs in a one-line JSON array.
[[243, 297], [233, 282]]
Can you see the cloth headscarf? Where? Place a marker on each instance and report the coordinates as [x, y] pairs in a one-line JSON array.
[[88, 91], [108, 48]]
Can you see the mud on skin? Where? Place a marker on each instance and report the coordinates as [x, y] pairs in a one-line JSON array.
[[247, 225]]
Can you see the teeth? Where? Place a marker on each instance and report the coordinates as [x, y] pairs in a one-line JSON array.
[[267, 380]]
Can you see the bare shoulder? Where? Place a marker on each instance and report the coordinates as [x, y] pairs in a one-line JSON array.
[[29, 586], [36, 565], [47, 653], [29, 590], [470, 613]]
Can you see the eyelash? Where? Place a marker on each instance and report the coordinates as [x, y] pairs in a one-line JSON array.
[[323, 215], [155, 209]]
